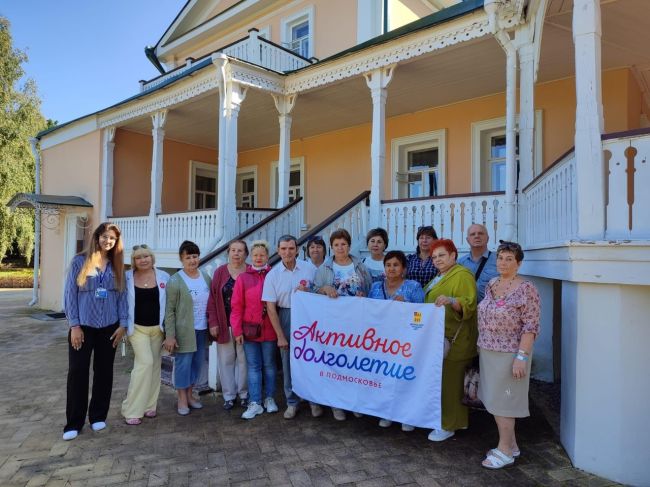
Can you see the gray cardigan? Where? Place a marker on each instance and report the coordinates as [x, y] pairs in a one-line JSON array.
[[325, 274]]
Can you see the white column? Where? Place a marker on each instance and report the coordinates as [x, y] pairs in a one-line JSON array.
[[589, 120], [284, 104], [526, 115], [236, 94], [378, 80], [37, 219], [158, 119], [108, 147]]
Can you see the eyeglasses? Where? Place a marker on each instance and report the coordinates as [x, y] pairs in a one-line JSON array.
[[138, 247], [512, 246]]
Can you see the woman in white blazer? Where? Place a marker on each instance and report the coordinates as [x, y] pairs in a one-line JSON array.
[[146, 297]]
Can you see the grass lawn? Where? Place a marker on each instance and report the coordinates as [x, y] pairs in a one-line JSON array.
[[16, 276]]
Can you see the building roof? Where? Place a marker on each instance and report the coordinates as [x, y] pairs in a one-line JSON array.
[[41, 201], [445, 15]]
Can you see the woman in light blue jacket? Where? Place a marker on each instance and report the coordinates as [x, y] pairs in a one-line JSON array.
[[146, 287]]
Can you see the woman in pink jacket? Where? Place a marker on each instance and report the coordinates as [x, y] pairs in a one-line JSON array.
[[252, 327]]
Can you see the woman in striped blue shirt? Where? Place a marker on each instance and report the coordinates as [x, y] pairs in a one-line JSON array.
[[97, 311]]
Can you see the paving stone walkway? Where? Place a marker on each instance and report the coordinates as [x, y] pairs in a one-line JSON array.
[[214, 447]]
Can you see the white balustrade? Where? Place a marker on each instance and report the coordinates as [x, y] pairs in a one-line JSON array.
[[627, 165], [249, 217], [355, 221], [288, 222], [548, 215], [173, 228], [165, 77], [450, 216], [261, 52], [134, 230]]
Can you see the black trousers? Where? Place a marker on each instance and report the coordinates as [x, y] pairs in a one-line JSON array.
[[97, 340]]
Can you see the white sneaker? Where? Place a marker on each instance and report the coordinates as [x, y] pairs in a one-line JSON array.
[[290, 412], [339, 414], [407, 427], [252, 410], [385, 423], [270, 405], [98, 426], [70, 435], [440, 435], [316, 410]]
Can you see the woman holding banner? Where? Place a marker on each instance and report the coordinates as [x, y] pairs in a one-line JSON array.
[[455, 289], [508, 326], [342, 274], [396, 288]]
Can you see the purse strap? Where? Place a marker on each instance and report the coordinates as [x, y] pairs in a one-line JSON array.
[[453, 340], [481, 266]]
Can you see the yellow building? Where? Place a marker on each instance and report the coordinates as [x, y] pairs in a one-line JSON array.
[[302, 116]]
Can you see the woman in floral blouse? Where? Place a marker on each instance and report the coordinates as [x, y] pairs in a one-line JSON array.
[[508, 323]]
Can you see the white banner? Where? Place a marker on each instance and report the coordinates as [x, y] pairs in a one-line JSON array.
[[377, 357]]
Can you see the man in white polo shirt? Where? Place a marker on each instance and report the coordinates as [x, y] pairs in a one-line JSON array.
[[280, 284]]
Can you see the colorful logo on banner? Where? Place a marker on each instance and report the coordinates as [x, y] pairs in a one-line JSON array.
[[416, 324], [368, 355]]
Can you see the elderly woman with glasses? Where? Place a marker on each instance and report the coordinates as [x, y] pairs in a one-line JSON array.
[[419, 266], [508, 323], [455, 289], [145, 286]]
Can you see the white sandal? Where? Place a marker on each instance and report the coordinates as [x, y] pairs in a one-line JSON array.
[[497, 460]]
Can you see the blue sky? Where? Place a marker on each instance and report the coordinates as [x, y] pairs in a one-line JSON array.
[[87, 54]]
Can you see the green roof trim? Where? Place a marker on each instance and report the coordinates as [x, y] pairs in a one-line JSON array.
[[447, 14], [444, 15], [33, 200]]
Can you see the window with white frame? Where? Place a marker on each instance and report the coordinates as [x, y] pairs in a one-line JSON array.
[[419, 165], [246, 187], [296, 180], [489, 153], [297, 33], [203, 186]]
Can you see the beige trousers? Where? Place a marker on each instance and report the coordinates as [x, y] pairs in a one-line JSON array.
[[231, 361], [145, 376]]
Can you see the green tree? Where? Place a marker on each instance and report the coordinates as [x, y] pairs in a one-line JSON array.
[[20, 119]]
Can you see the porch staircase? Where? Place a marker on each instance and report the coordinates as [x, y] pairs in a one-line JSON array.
[[353, 216]]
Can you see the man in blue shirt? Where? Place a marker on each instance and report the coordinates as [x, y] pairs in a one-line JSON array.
[[480, 261]]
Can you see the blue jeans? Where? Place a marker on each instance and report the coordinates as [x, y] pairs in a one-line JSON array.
[[187, 366], [285, 323], [260, 358]]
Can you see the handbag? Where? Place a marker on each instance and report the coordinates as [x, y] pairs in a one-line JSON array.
[[470, 386], [448, 343], [251, 330]]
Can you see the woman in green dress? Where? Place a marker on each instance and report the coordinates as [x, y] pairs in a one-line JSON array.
[[455, 289]]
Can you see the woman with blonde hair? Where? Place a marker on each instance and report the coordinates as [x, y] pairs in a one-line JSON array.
[[97, 311], [252, 328], [146, 295]]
